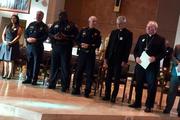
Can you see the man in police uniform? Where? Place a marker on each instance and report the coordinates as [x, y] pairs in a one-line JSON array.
[[154, 46], [35, 34], [88, 40], [62, 33], [116, 56]]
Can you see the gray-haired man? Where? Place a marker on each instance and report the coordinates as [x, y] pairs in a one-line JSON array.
[[116, 56]]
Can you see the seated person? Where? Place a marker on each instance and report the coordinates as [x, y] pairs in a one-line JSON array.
[[174, 83]]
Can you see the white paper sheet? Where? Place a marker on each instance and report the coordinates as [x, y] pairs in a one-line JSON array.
[[144, 60], [178, 73]]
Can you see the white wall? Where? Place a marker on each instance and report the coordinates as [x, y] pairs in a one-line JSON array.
[[51, 11], [35, 6], [55, 6], [177, 40]]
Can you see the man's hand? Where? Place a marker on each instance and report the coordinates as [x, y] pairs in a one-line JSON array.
[[138, 60], [84, 45], [152, 59], [59, 36], [31, 40], [10, 43], [105, 65]]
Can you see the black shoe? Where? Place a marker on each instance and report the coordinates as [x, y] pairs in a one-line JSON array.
[[113, 100], [34, 82], [8, 77], [63, 90], [51, 87], [26, 82], [147, 110], [165, 111], [86, 95], [105, 98], [4, 76], [134, 105], [75, 92]]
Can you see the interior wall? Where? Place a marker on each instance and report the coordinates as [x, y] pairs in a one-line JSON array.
[[35, 6], [168, 16], [177, 40], [55, 6], [138, 13]]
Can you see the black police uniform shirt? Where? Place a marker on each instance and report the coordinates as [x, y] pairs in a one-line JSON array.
[[90, 36], [65, 28], [38, 30], [119, 46]]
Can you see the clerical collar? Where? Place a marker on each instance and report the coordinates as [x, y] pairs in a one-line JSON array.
[[120, 29], [149, 35]]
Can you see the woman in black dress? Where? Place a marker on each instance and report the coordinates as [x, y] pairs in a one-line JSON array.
[[10, 48]]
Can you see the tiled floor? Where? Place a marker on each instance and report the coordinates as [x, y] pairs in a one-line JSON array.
[[19, 102]]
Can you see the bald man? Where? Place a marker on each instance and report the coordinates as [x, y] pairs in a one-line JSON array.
[[154, 46], [116, 56], [88, 40]]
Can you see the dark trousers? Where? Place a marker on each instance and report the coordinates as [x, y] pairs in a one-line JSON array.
[[113, 76], [60, 61], [86, 63], [141, 76], [34, 58], [173, 88]]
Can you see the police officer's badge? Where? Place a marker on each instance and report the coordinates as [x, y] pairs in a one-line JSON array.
[[67, 27], [84, 34], [95, 34], [41, 28], [56, 26], [31, 27]]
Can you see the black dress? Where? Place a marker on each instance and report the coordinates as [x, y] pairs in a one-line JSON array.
[[10, 52]]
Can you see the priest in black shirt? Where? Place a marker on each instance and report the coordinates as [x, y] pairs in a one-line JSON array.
[[154, 46], [116, 56]]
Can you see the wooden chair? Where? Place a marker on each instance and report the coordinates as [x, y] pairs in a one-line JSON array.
[[122, 80], [96, 76], [164, 80]]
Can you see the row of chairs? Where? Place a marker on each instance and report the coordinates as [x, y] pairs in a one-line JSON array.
[[100, 74], [163, 82]]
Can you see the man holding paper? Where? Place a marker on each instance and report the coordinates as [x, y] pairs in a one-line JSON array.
[[175, 81], [148, 52]]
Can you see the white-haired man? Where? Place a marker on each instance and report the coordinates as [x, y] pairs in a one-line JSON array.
[[35, 34], [154, 46], [88, 40], [116, 56]]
